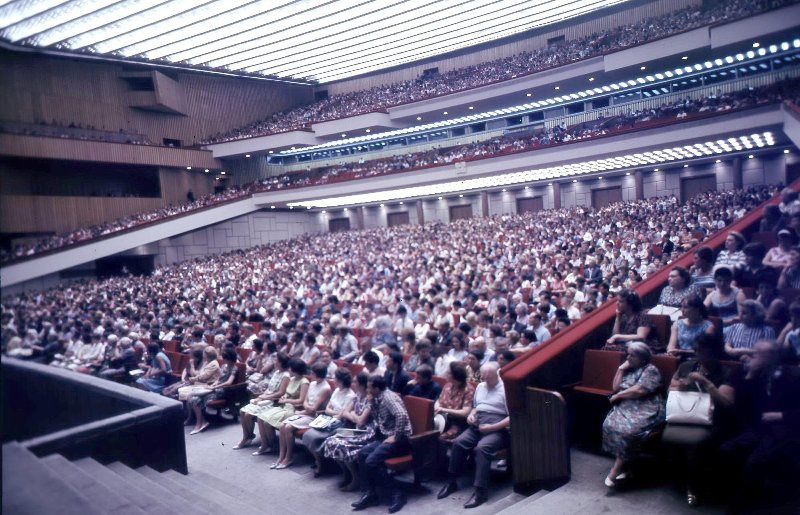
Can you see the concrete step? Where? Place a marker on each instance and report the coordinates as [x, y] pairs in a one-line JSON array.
[[190, 489], [147, 501], [521, 504], [31, 486], [101, 496], [246, 493], [156, 488]]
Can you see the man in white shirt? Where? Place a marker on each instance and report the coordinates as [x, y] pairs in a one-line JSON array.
[[487, 433]]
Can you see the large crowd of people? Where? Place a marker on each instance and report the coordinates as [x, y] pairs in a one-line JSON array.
[[381, 97], [427, 302], [508, 144]]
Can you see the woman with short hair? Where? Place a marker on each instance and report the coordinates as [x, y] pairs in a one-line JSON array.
[[199, 401], [314, 439], [678, 287], [724, 300], [637, 409], [632, 324], [454, 403], [686, 330], [292, 399], [157, 370], [274, 390]]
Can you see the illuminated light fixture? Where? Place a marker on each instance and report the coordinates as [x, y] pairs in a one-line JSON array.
[[223, 173], [685, 57], [600, 178], [591, 79], [655, 169], [206, 170], [308, 207], [557, 88], [461, 196], [786, 151], [188, 167], [471, 108], [382, 205], [756, 45], [343, 135], [643, 68], [718, 161], [686, 166], [527, 187], [323, 211], [291, 207], [272, 207], [419, 118], [401, 202], [247, 155], [627, 173], [750, 156], [574, 180], [445, 113], [528, 94], [440, 198]]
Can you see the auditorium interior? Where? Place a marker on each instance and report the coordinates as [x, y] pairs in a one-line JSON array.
[[407, 255]]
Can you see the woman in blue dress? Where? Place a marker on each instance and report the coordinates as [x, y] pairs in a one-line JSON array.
[[686, 330], [157, 370]]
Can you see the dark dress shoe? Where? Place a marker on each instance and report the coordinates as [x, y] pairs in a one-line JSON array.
[[447, 489], [398, 501], [367, 500], [477, 499]]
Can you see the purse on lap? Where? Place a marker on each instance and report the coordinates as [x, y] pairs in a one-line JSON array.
[[693, 408]]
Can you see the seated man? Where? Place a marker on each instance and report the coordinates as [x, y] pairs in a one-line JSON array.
[[396, 378], [487, 433], [393, 433], [423, 385]]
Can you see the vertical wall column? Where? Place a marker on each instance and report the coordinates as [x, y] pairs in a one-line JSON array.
[[736, 172], [556, 195], [359, 218], [420, 213], [638, 183], [484, 204]]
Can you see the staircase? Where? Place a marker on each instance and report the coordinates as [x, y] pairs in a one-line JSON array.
[[53, 484]]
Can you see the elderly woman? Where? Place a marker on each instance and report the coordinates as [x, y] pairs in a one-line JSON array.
[[314, 439], [197, 401], [454, 403], [319, 391], [632, 324], [292, 399], [191, 370], [686, 330], [705, 374], [678, 288], [724, 300], [157, 370], [637, 409], [274, 389], [732, 256], [345, 450], [742, 336]]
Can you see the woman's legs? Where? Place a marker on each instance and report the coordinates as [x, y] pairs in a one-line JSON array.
[[288, 443], [616, 470], [266, 434], [352, 467], [248, 425]]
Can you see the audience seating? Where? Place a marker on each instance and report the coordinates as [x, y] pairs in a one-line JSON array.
[[172, 345], [178, 362], [235, 395], [663, 325], [424, 439]]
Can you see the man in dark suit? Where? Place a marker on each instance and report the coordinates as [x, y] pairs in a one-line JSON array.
[[396, 378]]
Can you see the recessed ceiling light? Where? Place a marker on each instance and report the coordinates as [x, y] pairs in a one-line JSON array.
[[685, 57], [223, 173], [272, 207], [574, 180], [627, 173], [247, 155], [528, 94], [270, 152], [445, 112], [756, 44], [504, 189], [527, 187], [419, 118], [643, 68], [381, 205], [368, 130], [401, 202], [750, 156], [344, 135], [346, 210], [440, 198], [461, 196], [471, 108], [655, 169], [719, 161], [206, 170], [591, 79], [786, 151], [188, 167], [558, 87], [686, 166], [323, 211], [600, 178]]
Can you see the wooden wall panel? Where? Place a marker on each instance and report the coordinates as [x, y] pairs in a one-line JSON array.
[[24, 213], [45, 88], [570, 31], [175, 184]]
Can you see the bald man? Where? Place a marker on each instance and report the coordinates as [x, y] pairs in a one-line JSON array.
[[487, 433]]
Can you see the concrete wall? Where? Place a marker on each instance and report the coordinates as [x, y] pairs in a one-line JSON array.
[[246, 231]]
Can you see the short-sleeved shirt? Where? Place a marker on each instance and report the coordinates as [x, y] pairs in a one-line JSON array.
[[490, 400]]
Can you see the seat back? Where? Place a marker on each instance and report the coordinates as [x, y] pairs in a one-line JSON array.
[[256, 327], [667, 365], [440, 380], [177, 361], [420, 412], [599, 368], [243, 353], [241, 373], [789, 294], [210, 339], [663, 324], [769, 239], [354, 368], [171, 345]]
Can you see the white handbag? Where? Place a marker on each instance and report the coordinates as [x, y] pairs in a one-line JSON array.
[[693, 408]]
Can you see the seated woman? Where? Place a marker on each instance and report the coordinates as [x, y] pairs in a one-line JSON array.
[[310, 353], [724, 300], [703, 373], [632, 324], [191, 370], [274, 389], [678, 288], [270, 419], [313, 439], [703, 268], [344, 450], [157, 370], [319, 391], [255, 360], [732, 256], [637, 409], [742, 336], [198, 401], [777, 314], [789, 338], [686, 330], [454, 403], [778, 256], [208, 375]]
